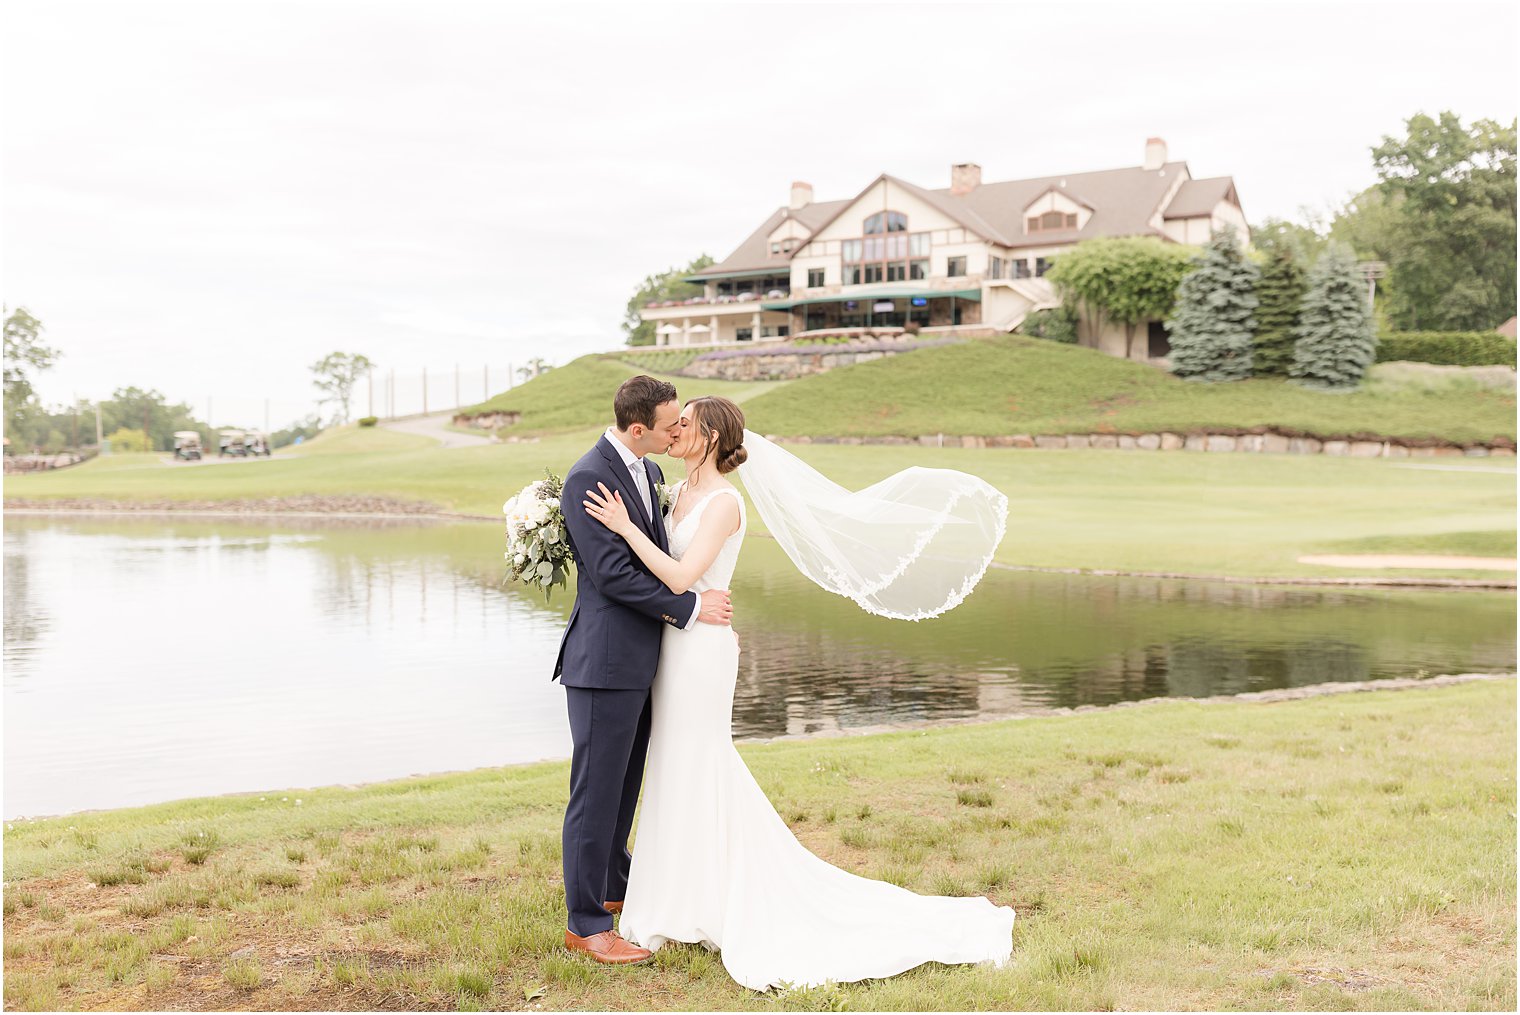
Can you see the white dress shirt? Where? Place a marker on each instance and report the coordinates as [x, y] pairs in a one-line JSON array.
[[640, 473]]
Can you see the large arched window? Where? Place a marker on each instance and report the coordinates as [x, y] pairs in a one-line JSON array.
[[886, 222]]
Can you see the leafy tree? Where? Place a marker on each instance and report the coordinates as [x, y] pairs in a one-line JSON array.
[[24, 353], [667, 285], [1212, 326], [336, 374], [1335, 343], [1127, 280], [124, 440], [305, 429], [1279, 291], [1451, 244], [1304, 242], [535, 366]]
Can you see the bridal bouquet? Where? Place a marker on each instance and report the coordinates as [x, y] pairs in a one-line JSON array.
[[538, 552]]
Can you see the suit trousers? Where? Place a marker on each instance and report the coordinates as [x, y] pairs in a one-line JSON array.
[[610, 733]]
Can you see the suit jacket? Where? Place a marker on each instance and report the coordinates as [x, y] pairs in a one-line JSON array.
[[613, 638]]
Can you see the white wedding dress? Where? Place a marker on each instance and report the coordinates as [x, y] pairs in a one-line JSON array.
[[713, 863]]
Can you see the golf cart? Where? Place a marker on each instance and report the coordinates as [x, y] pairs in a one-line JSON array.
[[232, 443], [256, 442], [187, 445]]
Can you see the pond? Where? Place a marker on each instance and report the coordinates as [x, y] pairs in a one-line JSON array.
[[151, 659]]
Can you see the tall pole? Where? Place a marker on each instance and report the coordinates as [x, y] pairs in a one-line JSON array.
[[370, 377], [76, 421], [99, 437], [485, 382], [457, 403]]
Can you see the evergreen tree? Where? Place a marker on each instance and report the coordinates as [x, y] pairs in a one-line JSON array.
[[1279, 292], [1335, 342], [1212, 325]]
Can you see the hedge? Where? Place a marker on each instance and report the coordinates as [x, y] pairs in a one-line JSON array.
[[1451, 348]]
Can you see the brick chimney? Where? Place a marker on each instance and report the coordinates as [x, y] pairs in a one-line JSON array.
[[965, 177], [1155, 153], [802, 195]]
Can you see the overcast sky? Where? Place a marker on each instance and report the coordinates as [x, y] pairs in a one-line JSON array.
[[207, 197]]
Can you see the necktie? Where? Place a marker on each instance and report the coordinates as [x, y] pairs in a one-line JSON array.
[[641, 480]]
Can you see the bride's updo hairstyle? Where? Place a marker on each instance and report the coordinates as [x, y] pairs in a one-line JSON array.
[[712, 412]]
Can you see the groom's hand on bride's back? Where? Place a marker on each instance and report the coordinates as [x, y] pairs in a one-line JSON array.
[[717, 608]]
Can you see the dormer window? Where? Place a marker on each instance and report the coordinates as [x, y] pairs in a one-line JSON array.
[[1051, 221], [780, 247], [887, 222]]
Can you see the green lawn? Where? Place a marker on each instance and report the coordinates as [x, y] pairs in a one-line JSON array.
[[1354, 851], [1026, 385], [1195, 513], [579, 395]]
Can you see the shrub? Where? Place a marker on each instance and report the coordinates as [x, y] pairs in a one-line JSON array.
[[368, 420], [124, 440], [1058, 324], [1449, 348]]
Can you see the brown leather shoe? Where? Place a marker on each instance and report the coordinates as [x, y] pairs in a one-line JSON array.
[[608, 946], [613, 907]]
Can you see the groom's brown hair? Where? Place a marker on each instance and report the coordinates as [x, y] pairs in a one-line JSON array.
[[638, 398]]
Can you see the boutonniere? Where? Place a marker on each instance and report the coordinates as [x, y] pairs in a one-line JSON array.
[[662, 494]]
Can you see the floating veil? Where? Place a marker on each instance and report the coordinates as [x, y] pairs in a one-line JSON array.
[[909, 547]]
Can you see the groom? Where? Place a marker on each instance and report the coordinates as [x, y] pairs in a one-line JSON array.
[[608, 657]]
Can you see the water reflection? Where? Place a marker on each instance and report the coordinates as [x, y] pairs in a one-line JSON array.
[[152, 659]]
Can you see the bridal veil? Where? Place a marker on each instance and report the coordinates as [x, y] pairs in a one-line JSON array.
[[909, 547]]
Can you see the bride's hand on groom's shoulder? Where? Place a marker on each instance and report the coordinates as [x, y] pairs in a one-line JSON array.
[[608, 508]]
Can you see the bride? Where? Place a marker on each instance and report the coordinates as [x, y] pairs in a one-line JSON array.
[[715, 864]]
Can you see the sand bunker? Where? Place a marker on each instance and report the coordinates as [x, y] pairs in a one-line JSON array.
[[1434, 560]]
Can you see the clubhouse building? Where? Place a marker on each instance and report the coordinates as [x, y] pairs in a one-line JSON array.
[[967, 258]]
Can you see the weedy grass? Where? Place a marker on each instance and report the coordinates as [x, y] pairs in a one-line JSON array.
[[1182, 855]]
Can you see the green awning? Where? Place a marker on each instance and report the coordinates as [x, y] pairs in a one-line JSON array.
[[780, 271], [878, 293]]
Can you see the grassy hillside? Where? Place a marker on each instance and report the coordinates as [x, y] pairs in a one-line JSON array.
[[579, 395], [1016, 384]]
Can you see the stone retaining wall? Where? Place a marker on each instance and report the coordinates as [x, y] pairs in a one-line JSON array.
[[1268, 442], [487, 420], [786, 363]]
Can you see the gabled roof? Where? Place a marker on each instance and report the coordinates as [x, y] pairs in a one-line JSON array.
[[1197, 198], [1122, 203], [754, 254], [1066, 193]]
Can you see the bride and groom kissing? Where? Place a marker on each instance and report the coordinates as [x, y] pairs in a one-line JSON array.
[[649, 662]]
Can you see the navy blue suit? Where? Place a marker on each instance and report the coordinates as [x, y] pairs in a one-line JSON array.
[[607, 661]]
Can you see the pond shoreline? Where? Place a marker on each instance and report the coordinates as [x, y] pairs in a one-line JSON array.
[[1274, 695], [32, 508], [1268, 697]]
